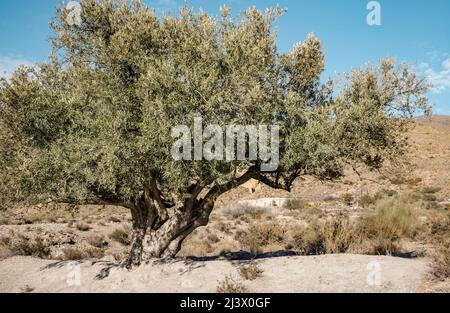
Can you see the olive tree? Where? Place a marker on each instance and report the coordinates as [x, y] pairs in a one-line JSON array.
[[92, 125]]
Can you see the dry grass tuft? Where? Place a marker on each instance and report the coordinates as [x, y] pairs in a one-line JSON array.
[[251, 271], [122, 235], [230, 285], [259, 236], [441, 261]]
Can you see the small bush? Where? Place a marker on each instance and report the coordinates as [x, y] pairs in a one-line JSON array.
[[251, 271], [336, 235], [367, 200], [4, 221], [259, 236], [212, 238], [122, 235], [25, 246], [74, 254], [114, 219], [230, 285], [413, 182], [431, 190], [429, 197], [347, 199], [378, 235], [441, 261], [245, 212], [83, 226], [296, 204], [97, 241], [400, 211]]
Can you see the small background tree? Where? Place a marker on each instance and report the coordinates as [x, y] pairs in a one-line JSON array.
[[93, 124]]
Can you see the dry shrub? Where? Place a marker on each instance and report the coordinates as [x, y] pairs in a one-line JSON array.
[[441, 261], [230, 285], [251, 271], [378, 235], [347, 199], [224, 227], [401, 211], [309, 240], [296, 204], [367, 200], [336, 235], [73, 254], [245, 212], [212, 238], [431, 190], [81, 226], [259, 236], [4, 221], [97, 241], [25, 246], [122, 235]]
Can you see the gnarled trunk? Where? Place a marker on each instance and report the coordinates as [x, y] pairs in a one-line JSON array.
[[154, 237]]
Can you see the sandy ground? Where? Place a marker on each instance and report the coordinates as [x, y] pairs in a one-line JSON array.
[[329, 273]]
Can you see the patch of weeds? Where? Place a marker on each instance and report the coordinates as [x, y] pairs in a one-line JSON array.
[[25, 246], [97, 241], [347, 199], [81, 226], [260, 235], [122, 235], [74, 254], [251, 271], [440, 267], [230, 285], [295, 204], [431, 190], [367, 201]]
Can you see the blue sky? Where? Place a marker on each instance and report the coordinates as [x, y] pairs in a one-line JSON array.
[[415, 31]]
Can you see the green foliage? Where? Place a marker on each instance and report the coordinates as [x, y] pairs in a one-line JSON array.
[[93, 123]]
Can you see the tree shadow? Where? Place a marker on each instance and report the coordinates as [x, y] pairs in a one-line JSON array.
[[242, 256]]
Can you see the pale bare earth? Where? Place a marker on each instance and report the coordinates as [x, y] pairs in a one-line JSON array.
[[329, 273]]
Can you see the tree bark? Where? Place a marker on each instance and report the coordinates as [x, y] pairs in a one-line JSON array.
[[151, 241]]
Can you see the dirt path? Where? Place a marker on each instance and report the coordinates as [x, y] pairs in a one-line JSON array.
[[330, 273]]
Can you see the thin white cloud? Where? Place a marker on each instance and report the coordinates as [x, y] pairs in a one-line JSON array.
[[438, 77], [9, 64]]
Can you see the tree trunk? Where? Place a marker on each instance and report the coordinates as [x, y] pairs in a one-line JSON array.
[[153, 239]]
